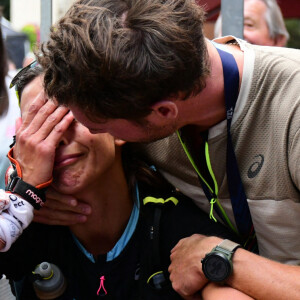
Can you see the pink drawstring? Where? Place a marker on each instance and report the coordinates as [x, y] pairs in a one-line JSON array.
[[102, 278]]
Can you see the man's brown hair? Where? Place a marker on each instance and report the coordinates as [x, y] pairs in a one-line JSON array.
[[115, 58]]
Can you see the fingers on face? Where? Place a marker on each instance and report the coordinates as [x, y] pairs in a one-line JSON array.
[[55, 134], [52, 196], [33, 107], [64, 205], [48, 124], [56, 217], [35, 117]]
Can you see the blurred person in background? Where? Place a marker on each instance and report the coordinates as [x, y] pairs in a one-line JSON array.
[[9, 110], [263, 24]]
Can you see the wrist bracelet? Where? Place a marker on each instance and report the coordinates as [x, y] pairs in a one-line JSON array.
[[36, 197]]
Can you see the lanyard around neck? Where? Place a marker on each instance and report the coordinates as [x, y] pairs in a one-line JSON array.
[[235, 186]]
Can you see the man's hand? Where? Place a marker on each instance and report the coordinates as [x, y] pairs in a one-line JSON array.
[[186, 269], [249, 272], [37, 137], [61, 209]]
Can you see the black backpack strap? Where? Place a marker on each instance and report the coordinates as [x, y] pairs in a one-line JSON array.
[[156, 277]]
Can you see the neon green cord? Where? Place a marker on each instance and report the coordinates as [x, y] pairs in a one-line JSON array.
[[207, 157], [216, 192], [211, 214], [192, 161]]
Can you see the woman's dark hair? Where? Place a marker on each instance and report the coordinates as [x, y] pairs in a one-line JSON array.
[[27, 77], [137, 170]]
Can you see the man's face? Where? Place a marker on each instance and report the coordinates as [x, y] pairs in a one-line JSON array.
[[256, 30], [125, 129]]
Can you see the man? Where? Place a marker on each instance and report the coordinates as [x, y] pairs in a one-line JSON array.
[[141, 70], [263, 23]]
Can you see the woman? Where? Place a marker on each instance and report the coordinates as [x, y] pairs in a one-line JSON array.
[[122, 250]]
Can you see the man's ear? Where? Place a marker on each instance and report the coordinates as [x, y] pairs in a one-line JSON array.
[[280, 40], [166, 109], [119, 142]]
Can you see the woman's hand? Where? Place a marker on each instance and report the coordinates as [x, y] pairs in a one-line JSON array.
[[61, 209], [37, 136]]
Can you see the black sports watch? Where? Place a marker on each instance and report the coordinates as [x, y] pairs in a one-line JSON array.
[[217, 264]]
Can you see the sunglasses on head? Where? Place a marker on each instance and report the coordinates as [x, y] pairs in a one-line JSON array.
[[19, 74]]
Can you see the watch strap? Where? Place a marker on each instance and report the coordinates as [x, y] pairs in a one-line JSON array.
[[229, 245], [36, 197]]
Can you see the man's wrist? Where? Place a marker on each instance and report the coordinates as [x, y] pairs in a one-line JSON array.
[[217, 264]]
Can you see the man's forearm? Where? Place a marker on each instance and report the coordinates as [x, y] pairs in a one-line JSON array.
[[264, 279], [256, 276]]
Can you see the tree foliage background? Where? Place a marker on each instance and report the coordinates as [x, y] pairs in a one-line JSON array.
[[293, 27]]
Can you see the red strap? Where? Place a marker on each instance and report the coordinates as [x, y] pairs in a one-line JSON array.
[[19, 171], [15, 162]]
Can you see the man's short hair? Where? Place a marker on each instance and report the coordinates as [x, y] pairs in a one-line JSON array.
[[115, 58]]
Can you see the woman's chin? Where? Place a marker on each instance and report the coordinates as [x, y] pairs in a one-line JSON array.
[[66, 185]]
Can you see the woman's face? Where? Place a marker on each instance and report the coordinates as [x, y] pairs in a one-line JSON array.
[[81, 158]]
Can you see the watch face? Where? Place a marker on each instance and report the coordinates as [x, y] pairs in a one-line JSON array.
[[216, 267]]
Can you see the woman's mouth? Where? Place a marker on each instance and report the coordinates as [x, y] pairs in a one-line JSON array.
[[65, 160]]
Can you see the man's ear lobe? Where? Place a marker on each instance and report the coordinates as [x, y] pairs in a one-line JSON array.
[[280, 41], [166, 109], [119, 142]]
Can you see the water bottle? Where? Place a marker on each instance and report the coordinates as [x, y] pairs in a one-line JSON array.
[[51, 283]]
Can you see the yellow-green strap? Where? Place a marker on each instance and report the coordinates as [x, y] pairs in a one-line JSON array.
[[159, 272], [150, 199]]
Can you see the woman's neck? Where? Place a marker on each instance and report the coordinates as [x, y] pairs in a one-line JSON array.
[[111, 205]]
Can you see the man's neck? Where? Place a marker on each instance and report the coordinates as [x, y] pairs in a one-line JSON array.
[[207, 108]]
